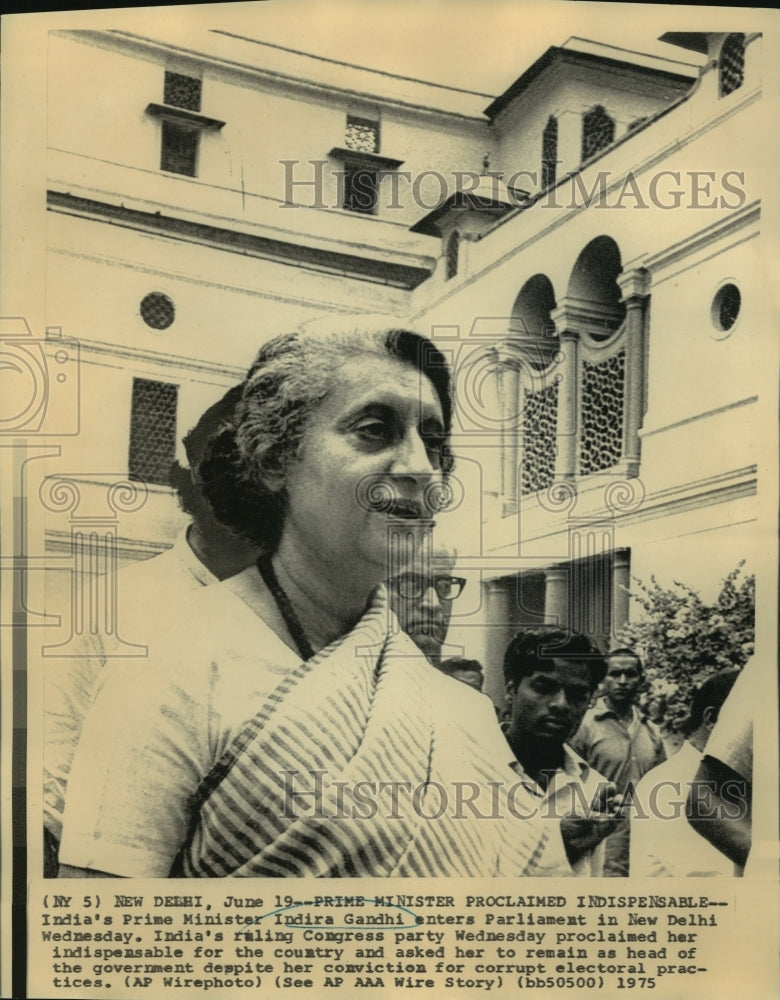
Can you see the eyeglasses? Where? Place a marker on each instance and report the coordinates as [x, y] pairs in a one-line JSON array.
[[412, 586], [630, 673]]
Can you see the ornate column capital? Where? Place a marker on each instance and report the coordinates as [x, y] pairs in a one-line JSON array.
[[635, 285], [518, 351], [621, 559], [555, 574], [565, 316], [576, 316]]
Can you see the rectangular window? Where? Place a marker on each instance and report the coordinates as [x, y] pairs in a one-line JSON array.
[[152, 430], [182, 91], [179, 153], [360, 189]]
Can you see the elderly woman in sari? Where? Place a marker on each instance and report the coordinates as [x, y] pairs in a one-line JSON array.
[[290, 728]]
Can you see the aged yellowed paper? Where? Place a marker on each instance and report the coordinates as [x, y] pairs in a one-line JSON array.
[[576, 204]]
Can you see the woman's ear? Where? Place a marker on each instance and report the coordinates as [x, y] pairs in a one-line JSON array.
[[271, 472], [272, 480]]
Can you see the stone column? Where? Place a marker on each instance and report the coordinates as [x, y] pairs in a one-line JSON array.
[[621, 578], [591, 544], [556, 595], [499, 628], [509, 364], [568, 397], [635, 287], [511, 429]]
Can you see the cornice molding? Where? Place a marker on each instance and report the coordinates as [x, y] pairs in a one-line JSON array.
[[119, 355], [361, 268]]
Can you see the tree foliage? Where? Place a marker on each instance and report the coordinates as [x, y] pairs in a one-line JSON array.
[[682, 641]]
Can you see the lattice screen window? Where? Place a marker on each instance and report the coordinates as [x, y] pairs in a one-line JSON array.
[[362, 135], [539, 425], [157, 310], [598, 131], [732, 64], [453, 248], [549, 151], [603, 392], [152, 430], [182, 91]]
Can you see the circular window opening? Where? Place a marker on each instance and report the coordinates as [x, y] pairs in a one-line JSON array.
[[725, 307], [157, 310]]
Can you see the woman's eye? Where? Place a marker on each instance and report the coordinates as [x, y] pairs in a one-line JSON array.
[[374, 430]]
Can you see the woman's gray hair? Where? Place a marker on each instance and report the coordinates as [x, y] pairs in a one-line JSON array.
[[245, 466]]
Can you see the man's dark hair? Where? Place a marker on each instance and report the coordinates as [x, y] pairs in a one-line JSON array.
[[626, 651], [455, 663], [214, 419], [711, 693], [535, 649]]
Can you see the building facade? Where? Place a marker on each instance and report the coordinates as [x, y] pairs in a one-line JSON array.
[[584, 248]]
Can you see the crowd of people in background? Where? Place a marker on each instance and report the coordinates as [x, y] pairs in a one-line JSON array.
[[149, 766], [573, 718]]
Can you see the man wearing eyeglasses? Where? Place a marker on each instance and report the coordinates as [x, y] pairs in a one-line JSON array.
[[421, 594], [620, 742]]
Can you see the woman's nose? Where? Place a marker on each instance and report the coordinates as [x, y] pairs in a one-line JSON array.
[[414, 457]]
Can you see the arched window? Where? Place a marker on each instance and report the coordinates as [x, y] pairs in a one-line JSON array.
[[732, 64], [598, 131], [598, 314], [549, 152], [453, 245]]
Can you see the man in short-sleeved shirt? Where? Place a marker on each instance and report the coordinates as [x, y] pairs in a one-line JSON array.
[[621, 743], [550, 676]]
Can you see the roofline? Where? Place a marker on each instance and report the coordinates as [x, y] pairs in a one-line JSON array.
[[694, 41], [557, 53], [428, 225], [271, 76]]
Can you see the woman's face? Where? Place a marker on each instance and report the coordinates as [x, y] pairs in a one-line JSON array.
[[380, 425]]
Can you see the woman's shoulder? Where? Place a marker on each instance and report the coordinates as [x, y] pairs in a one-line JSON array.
[[195, 637], [213, 618]]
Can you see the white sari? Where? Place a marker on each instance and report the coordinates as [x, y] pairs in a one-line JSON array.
[[366, 761]]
